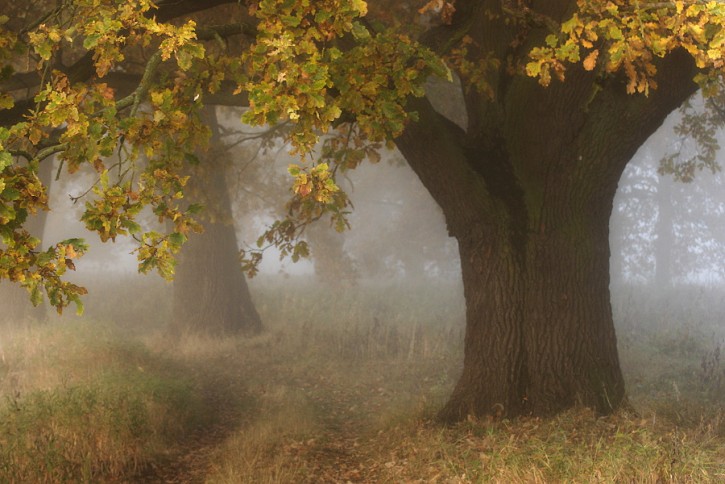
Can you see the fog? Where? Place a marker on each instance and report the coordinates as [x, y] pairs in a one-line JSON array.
[[665, 235], [368, 332]]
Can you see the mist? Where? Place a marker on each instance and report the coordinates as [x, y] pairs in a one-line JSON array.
[[362, 342]]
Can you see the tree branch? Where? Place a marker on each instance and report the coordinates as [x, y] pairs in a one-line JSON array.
[[435, 149], [84, 69], [143, 87]]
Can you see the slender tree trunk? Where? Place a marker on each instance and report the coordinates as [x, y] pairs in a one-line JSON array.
[[663, 249], [333, 264], [211, 295], [528, 193]]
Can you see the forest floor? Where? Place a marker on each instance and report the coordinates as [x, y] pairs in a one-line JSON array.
[[335, 392], [326, 407], [303, 414]]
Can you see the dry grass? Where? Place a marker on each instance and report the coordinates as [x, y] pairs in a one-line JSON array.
[[343, 387], [81, 402]]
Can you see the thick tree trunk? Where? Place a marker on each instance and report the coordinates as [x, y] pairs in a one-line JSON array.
[[211, 295], [540, 336], [527, 191]]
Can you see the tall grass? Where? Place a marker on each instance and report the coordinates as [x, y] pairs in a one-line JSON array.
[[350, 359], [82, 402], [343, 386]]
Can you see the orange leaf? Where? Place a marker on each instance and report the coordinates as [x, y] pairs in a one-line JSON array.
[[591, 60]]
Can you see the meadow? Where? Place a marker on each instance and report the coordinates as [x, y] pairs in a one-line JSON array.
[[342, 386]]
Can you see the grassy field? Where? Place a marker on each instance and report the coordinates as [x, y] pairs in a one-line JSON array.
[[341, 387]]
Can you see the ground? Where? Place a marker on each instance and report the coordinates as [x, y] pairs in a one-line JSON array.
[[337, 390]]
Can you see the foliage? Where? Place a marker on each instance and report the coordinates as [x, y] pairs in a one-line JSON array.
[[619, 35], [301, 67], [118, 86], [702, 126]]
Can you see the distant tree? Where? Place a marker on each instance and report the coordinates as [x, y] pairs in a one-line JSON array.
[[665, 237], [559, 94], [333, 264], [390, 198], [666, 232], [211, 294]]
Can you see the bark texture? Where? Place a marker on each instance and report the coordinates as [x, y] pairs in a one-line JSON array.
[[527, 190], [211, 294]]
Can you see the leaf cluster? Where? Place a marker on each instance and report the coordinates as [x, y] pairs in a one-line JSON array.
[[106, 86], [618, 35], [312, 65], [85, 124]]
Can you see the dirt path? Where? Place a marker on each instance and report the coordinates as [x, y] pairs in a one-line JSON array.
[[338, 452], [189, 462], [345, 408]]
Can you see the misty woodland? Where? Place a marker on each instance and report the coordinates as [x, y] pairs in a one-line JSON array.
[[347, 241]]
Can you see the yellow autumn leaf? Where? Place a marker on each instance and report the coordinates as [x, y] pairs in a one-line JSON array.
[[70, 252], [591, 60]]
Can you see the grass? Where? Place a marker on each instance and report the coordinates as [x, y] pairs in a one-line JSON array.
[[82, 402], [343, 387], [573, 447]]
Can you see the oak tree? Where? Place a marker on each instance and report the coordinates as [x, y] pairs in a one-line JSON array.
[[558, 96], [211, 295]]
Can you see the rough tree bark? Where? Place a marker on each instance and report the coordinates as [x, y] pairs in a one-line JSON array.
[[211, 294], [527, 191]]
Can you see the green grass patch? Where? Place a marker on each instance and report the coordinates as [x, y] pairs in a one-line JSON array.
[[81, 402]]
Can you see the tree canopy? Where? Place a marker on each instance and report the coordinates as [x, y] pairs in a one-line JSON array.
[[119, 85]]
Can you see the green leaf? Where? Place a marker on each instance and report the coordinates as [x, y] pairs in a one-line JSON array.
[[177, 239], [104, 179], [6, 159], [359, 31], [91, 41], [131, 226], [192, 159], [6, 233], [6, 101], [36, 296], [96, 129], [10, 194], [195, 208], [45, 257], [79, 305], [290, 21], [79, 245], [615, 33]]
